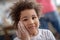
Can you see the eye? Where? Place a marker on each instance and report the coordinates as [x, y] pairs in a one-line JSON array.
[[33, 18], [25, 19]]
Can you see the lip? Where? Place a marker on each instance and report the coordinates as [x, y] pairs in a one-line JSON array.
[[32, 27]]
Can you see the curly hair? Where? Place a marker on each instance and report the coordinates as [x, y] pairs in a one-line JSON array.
[[20, 6]]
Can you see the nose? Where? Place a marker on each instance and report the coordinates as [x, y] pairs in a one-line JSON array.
[[31, 21]]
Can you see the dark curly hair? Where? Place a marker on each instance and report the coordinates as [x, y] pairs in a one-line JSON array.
[[20, 6]]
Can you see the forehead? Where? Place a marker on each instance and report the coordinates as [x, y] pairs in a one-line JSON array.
[[28, 12]]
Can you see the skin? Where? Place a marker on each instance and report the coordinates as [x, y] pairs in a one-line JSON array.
[[28, 24]]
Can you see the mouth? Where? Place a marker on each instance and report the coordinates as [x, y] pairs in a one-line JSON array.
[[32, 27], [32, 30]]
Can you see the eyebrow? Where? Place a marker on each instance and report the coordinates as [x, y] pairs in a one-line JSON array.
[[27, 17], [24, 17]]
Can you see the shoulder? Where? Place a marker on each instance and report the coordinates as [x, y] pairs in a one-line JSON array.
[[44, 31], [16, 38], [47, 33]]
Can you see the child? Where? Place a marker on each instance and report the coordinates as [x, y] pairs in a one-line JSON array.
[[26, 22]]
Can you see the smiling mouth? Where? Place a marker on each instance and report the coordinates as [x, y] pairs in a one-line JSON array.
[[32, 27]]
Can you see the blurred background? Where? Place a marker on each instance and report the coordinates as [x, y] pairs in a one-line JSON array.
[[6, 29]]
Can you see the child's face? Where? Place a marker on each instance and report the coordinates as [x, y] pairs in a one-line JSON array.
[[30, 20]]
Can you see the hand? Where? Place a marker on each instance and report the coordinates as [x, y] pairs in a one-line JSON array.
[[21, 32]]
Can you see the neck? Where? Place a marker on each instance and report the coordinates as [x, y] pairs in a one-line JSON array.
[[34, 34]]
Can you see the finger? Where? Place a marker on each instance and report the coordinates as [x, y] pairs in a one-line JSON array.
[[19, 26], [22, 27]]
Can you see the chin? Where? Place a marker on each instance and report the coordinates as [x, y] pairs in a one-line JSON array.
[[33, 32]]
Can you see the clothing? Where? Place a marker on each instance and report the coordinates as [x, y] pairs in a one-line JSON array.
[[47, 5], [42, 35], [50, 15], [52, 18]]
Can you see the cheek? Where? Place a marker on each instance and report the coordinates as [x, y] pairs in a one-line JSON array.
[[25, 24], [37, 23]]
